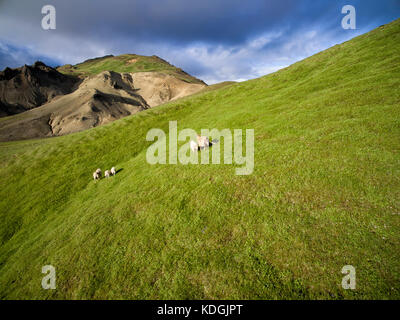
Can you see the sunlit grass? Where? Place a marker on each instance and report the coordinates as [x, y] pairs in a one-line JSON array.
[[324, 193]]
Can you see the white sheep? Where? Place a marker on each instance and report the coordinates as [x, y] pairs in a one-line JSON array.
[[193, 146], [113, 172], [203, 142], [107, 174], [97, 174]]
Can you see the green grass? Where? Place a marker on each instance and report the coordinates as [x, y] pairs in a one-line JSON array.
[[324, 193], [131, 63]]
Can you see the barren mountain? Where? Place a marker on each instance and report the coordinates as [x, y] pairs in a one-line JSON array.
[[157, 88], [28, 87], [98, 100]]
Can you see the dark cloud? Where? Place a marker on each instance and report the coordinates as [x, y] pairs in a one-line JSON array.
[[179, 21], [213, 39]]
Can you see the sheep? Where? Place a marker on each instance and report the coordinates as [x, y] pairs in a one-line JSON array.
[[203, 142], [113, 172], [193, 146], [107, 174], [97, 174]]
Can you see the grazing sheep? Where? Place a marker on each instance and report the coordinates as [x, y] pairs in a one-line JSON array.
[[193, 146], [97, 175], [203, 142], [113, 172], [107, 174]]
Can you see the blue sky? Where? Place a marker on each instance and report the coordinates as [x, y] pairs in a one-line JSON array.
[[215, 40]]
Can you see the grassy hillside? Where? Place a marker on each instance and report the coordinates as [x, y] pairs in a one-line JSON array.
[[126, 63], [324, 193]]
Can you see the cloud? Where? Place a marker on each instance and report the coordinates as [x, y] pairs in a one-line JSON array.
[[13, 56], [254, 58], [215, 40]]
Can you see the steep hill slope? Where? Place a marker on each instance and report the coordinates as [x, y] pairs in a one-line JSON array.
[[324, 193]]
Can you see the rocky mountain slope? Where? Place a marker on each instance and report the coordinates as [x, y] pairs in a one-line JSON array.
[[28, 87], [98, 100], [158, 88], [157, 80]]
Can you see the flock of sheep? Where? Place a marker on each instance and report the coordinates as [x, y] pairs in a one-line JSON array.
[[202, 142], [107, 173]]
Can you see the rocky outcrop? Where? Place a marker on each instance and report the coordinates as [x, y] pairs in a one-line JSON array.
[[98, 100], [28, 87]]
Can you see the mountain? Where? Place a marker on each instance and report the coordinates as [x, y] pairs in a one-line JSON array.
[[156, 79], [98, 100], [127, 63], [40, 101], [28, 87], [324, 193]]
